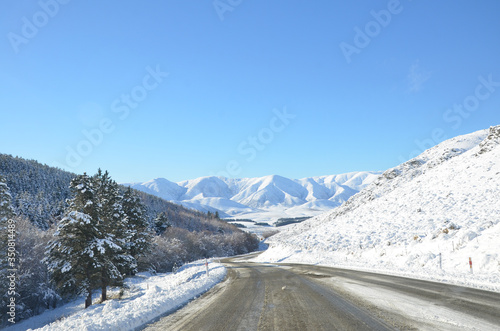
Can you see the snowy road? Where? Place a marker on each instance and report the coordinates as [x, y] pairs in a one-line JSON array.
[[302, 297]]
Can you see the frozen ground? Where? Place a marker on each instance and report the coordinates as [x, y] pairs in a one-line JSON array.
[[146, 298]]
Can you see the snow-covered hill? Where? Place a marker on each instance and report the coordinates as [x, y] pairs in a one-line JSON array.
[[264, 198], [425, 217]]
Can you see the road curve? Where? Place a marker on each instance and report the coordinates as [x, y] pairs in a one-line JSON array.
[[300, 297]]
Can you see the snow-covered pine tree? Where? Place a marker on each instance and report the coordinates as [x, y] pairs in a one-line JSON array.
[[6, 219], [161, 223], [140, 242], [72, 254], [112, 256], [90, 249]]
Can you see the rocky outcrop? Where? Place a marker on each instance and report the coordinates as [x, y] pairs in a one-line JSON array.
[[491, 141]]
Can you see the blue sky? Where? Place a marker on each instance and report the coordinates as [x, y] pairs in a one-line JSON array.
[[183, 89]]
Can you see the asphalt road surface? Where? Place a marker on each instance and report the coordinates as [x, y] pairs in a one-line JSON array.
[[301, 297]]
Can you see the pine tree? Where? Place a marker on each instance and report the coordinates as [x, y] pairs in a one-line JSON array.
[[161, 223], [7, 231], [72, 254], [113, 259], [140, 242], [90, 249]]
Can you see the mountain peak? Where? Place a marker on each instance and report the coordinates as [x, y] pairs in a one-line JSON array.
[[251, 196]]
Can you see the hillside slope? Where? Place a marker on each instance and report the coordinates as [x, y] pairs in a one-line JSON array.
[[39, 193], [424, 217], [251, 197]]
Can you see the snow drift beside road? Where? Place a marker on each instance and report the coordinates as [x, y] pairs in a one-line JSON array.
[[423, 218], [146, 298]]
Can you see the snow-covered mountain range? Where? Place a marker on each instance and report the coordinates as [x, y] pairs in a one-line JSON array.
[[263, 198], [425, 217]]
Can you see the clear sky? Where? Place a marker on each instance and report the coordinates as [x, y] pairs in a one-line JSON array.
[[184, 89]]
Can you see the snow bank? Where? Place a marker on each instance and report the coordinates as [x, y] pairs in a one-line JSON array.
[[424, 218], [146, 298]]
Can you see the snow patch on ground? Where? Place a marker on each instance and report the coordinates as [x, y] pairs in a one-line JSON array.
[[437, 318], [424, 219], [145, 298]]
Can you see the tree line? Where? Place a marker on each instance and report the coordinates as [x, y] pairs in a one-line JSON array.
[[103, 233]]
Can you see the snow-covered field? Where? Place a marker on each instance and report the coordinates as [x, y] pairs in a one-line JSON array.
[[424, 218], [146, 298]]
